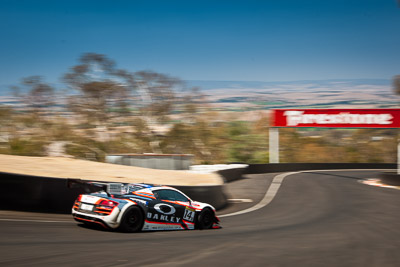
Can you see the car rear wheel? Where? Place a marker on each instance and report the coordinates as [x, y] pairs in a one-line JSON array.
[[205, 220], [132, 221]]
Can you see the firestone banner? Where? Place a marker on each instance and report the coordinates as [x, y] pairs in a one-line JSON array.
[[337, 118]]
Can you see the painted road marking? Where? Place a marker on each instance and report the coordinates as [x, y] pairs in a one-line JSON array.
[[268, 197], [276, 184], [377, 182]]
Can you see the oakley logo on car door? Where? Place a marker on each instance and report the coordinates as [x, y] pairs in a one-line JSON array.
[[164, 208]]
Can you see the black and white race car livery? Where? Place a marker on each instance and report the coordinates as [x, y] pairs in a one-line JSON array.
[[143, 207]]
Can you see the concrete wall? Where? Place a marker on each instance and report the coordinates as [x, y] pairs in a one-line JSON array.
[[34, 193], [287, 167], [153, 161], [46, 194]]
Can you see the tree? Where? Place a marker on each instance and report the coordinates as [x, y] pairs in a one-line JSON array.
[[99, 88], [396, 84], [156, 93], [104, 92], [35, 93], [105, 96], [245, 145]]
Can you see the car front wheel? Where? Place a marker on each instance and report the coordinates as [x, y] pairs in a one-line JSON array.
[[205, 220]]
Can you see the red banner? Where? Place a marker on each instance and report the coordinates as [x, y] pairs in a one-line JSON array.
[[337, 118]]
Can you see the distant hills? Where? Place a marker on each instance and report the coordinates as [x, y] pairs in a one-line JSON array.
[[256, 95], [288, 85], [311, 84], [344, 93]]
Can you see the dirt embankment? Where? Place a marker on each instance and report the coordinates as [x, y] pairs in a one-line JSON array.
[[58, 167]]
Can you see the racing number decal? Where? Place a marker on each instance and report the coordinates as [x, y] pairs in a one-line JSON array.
[[189, 214]]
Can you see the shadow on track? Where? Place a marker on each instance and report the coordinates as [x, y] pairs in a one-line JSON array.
[[335, 175]]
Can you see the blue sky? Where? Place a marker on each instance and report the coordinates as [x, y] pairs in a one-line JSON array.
[[204, 40]]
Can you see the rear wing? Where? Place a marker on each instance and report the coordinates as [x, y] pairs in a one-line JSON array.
[[91, 186]]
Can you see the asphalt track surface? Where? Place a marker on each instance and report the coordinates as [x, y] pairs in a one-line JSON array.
[[321, 218]]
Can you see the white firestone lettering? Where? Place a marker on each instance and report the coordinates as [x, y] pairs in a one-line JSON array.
[[296, 117], [293, 117]]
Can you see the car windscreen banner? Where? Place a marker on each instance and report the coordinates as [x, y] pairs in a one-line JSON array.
[[336, 118]]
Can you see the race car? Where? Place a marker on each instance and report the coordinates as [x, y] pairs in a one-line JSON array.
[[142, 207]]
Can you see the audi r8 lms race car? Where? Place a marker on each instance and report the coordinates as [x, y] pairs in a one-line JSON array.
[[142, 207]]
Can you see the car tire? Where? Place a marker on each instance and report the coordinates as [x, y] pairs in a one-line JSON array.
[[132, 220], [205, 220]]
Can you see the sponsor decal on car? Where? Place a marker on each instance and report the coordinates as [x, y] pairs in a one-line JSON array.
[[89, 199], [164, 208], [139, 200], [161, 217]]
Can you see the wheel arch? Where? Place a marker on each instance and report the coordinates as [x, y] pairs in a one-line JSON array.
[[125, 208], [198, 213]]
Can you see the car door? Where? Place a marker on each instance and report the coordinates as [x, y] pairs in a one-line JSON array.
[[188, 212], [166, 208]]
